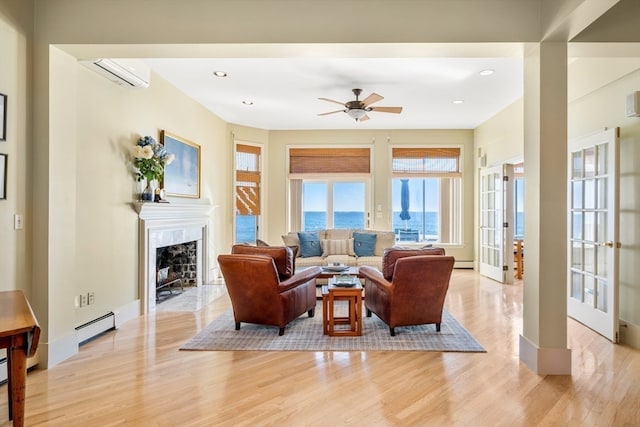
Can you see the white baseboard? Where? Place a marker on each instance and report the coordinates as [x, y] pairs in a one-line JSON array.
[[464, 264], [545, 361], [629, 334], [127, 312]]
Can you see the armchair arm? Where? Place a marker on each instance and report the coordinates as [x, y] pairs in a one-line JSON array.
[[300, 278], [374, 276]]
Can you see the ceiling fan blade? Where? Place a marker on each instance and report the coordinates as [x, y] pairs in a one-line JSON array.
[[396, 110], [332, 100], [363, 118], [374, 97], [332, 112]]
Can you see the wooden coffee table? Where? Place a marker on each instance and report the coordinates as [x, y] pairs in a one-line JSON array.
[[353, 297]]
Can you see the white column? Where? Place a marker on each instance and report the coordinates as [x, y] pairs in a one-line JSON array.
[[543, 343]]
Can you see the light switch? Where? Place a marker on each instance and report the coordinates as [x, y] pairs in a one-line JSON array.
[[18, 222]]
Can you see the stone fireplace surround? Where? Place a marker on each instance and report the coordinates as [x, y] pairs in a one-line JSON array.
[[164, 224]]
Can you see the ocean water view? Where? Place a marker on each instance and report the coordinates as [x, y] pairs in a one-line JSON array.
[[426, 224]]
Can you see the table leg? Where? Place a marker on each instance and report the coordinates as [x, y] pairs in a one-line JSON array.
[[17, 373]]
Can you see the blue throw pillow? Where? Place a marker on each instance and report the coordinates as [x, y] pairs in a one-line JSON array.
[[309, 244], [364, 244]]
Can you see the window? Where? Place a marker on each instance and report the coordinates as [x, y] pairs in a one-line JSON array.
[[328, 188], [333, 204], [247, 165], [426, 194]]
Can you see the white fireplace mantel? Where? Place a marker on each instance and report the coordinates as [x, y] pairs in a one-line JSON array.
[[165, 224], [170, 211]]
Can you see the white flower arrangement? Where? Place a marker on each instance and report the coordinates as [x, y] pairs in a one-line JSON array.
[[150, 158]]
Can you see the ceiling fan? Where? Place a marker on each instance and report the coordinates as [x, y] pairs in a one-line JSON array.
[[358, 109]]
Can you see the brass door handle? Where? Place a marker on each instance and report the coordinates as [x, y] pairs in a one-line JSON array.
[[610, 244]]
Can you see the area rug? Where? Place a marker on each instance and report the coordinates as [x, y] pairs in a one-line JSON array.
[[305, 334]]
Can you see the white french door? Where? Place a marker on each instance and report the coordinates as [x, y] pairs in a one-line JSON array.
[[496, 228], [593, 246]]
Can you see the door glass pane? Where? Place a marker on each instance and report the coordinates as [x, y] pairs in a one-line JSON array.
[[314, 206], [423, 208], [576, 163], [576, 255], [602, 193], [590, 162], [491, 219], [246, 228], [602, 159], [588, 290], [589, 194], [589, 255], [576, 285], [602, 254], [576, 187], [349, 205], [590, 226], [601, 297], [576, 229], [601, 227]]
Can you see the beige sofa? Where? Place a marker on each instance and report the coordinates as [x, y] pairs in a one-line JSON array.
[[338, 247]]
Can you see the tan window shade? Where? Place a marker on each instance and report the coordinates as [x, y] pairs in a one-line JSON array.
[[247, 180], [417, 161], [329, 160]]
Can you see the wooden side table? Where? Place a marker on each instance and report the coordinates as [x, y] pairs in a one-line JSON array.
[[19, 334], [353, 297]]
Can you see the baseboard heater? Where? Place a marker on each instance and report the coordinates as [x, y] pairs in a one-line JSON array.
[[96, 327]]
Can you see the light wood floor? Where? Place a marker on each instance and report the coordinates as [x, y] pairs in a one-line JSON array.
[[136, 376]]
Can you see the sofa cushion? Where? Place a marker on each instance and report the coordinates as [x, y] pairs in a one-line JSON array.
[[282, 256], [309, 244], [391, 255], [337, 247], [364, 244]]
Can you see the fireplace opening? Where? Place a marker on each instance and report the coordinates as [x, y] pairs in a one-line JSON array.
[[176, 267]]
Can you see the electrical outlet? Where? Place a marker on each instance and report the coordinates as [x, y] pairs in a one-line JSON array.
[[91, 298], [83, 300]]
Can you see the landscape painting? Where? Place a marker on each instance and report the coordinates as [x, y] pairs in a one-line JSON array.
[[182, 176]]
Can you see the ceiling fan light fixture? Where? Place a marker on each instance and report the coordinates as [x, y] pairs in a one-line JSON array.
[[356, 113]]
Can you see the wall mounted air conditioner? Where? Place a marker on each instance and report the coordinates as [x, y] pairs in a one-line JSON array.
[[125, 72], [633, 104]]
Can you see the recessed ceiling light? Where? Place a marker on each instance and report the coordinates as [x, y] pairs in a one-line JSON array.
[[458, 101], [220, 73], [247, 102], [487, 72]]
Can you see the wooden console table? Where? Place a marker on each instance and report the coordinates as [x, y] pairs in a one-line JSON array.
[[19, 334]]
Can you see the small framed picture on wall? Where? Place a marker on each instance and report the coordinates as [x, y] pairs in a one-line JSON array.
[[3, 117]]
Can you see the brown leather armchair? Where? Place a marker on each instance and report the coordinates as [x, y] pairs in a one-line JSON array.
[[415, 292], [263, 288]]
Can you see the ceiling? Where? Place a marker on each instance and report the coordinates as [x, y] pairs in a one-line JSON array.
[[285, 91]]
